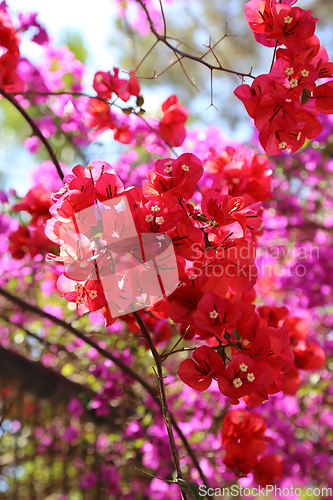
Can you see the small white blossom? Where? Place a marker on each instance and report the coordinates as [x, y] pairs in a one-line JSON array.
[[289, 71], [159, 220], [92, 294], [237, 382], [293, 83]]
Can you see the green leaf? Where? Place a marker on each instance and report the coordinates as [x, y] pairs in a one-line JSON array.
[[190, 489], [227, 335], [142, 111], [75, 43], [139, 101], [128, 111], [237, 335], [305, 96]]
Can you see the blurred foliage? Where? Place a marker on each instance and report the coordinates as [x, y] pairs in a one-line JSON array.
[[74, 42]]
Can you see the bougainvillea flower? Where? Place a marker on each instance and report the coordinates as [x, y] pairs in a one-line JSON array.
[[171, 125], [309, 355], [199, 372]]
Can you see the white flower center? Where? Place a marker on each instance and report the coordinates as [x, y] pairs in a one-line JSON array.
[[293, 83], [289, 71], [243, 367], [305, 73], [149, 218], [92, 294], [155, 208], [159, 220], [250, 377], [288, 19], [185, 168], [237, 382], [213, 314], [283, 145]]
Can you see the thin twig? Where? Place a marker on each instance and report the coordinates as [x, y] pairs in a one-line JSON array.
[[35, 130], [183, 349], [185, 72], [163, 398], [163, 16], [274, 54], [164, 39], [158, 133]]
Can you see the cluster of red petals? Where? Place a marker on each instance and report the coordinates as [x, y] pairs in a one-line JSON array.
[[214, 244], [256, 369], [107, 84], [308, 355], [245, 173], [32, 239], [285, 103], [9, 50], [98, 116], [243, 436], [171, 125]]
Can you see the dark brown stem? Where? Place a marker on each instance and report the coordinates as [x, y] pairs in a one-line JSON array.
[[183, 349], [106, 354], [35, 130], [274, 54], [163, 398]]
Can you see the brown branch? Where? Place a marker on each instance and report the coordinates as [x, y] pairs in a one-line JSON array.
[[274, 54], [158, 133], [164, 39], [163, 17], [185, 72], [106, 354], [77, 94], [163, 398], [35, 130]]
